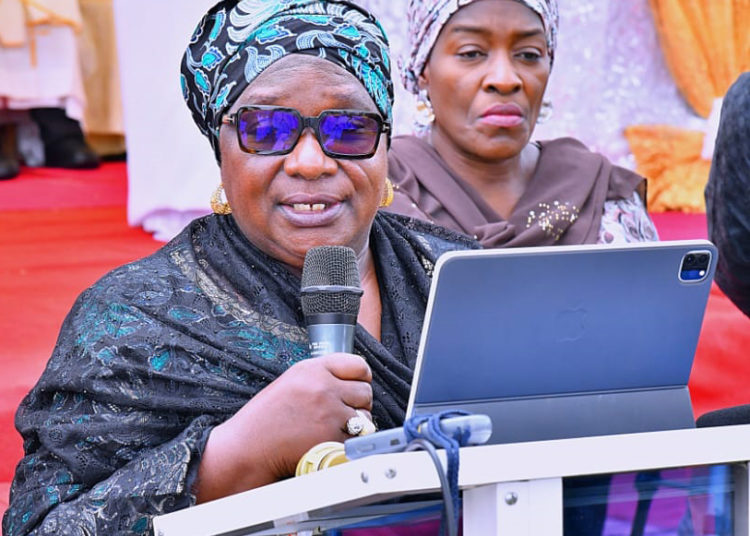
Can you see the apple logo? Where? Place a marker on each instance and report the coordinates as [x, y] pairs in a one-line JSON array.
[[570, 324]]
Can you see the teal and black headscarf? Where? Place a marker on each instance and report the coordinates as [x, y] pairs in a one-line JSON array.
[[237, 40]]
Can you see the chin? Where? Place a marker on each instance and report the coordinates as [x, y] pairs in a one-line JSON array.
[[319, 239], [498, 147], [499, 152]]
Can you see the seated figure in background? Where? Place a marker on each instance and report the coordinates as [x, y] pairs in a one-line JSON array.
[[40, 74], [184, 377], [479, 70]]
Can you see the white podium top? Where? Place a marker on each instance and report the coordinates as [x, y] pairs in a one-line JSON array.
[[376, 478]]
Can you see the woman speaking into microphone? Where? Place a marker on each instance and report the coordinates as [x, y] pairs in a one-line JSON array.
[[184, 376]]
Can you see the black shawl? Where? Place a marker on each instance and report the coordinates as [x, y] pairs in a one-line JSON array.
[[159, 351]]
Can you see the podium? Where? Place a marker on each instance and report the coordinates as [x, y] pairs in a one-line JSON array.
[[510, 489]]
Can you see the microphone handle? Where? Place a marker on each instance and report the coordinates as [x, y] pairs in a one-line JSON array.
[[330, 338]]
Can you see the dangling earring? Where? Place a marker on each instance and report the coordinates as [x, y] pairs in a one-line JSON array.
[[387, 194], [218, 205], [425, 115], [545, 112]]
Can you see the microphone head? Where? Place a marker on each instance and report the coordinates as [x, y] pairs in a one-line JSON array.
[[330, 282]]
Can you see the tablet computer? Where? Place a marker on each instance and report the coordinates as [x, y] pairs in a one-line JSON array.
[[565, 341]]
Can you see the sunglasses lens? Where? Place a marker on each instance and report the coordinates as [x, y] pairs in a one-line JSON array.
[[268, 131], [349, 134]]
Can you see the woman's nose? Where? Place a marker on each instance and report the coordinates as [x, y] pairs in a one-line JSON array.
[[307, 160], [502, 75]]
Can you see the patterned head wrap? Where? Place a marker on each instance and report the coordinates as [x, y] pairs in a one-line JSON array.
[[427, 17], [238, 39]]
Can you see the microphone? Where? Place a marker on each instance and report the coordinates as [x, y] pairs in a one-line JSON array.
[[330, 298]]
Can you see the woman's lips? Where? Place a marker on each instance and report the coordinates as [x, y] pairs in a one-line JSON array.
[[311, 212], [502, 115], [504, 121]]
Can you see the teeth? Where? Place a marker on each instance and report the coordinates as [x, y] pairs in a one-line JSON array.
[[306, 207]]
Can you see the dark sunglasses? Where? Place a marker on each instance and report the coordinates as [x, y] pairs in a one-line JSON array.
[[268, 130]]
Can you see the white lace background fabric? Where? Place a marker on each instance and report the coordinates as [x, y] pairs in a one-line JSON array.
[[609, 73]]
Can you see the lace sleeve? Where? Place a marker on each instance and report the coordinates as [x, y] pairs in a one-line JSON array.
[[626, 220]]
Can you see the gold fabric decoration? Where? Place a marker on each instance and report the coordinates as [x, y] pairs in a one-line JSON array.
[[670, 158], [101, 70], [553, 219], [706, 44]]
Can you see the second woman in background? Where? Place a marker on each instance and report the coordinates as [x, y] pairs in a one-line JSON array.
[[479, 69]]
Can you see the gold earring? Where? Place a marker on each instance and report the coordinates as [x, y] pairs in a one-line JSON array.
[[425, 114], [387, 194], [545, 112], [218, 205]]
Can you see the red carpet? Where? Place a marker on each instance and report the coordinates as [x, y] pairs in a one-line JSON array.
[[43, 188], [59, 232], [62, 230]]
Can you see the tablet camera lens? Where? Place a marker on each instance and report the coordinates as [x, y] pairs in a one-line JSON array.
[[694, 266]]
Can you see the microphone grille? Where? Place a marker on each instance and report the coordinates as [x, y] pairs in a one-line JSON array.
[[334, 267], [330, 265]]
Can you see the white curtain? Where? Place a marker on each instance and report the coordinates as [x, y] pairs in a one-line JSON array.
[[171, 168]]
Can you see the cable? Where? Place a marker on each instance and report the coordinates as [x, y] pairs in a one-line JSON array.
[[427, 428], [449, 513]]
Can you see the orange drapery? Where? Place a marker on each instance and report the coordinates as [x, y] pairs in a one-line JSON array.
[[706, 45]]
